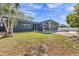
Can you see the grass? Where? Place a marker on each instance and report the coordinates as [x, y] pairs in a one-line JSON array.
[[22, 43]]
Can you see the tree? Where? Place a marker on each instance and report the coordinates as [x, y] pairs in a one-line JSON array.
[[10, 10], [73, 19]]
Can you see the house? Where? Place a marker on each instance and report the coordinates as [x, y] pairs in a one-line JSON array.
[[24, 25]]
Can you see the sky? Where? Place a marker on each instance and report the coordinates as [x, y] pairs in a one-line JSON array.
[[45, 11]]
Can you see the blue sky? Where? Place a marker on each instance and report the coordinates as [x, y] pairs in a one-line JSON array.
[[45, 11]]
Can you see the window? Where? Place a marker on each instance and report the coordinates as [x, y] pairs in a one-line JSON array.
[[23, 25], [26, 25]]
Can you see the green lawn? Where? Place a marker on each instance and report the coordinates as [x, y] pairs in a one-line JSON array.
[[23, 43]]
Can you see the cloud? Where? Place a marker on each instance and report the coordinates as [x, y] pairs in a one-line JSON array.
[[63, 16], [35, 6], [62, 19], [54, 5], [71, 8], [29, 13]]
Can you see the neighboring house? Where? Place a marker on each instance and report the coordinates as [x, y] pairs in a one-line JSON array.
[[63, 25]]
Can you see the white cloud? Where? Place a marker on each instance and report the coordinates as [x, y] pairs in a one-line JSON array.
[[63, 16], [71, 8], [35, 6], [54, 5], [29, 13]]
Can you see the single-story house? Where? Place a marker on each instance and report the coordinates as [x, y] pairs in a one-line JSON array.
[[24, 25]]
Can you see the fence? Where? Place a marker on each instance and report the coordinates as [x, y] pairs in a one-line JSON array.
[[67, 29]]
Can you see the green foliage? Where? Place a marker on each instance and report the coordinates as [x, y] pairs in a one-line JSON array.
[[9, 9], [73, 18], [76, 9]]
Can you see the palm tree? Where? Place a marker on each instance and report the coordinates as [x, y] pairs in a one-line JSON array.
[[10, 10]]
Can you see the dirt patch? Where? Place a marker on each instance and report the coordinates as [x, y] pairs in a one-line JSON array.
[[60, 50]]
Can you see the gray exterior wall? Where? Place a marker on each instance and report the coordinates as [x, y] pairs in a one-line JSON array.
[[50, 25], [23, 25]]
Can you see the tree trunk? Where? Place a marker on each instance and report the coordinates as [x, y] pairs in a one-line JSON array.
[[11, 30], [6, 29], [9, 24]]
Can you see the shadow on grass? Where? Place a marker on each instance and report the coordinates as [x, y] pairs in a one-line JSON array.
[[46, 32], [2, 37]]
